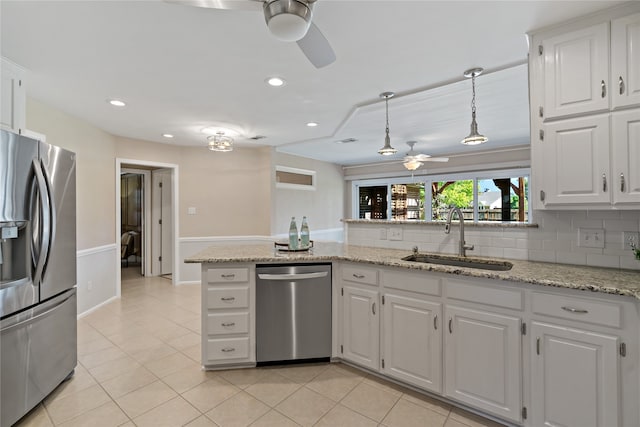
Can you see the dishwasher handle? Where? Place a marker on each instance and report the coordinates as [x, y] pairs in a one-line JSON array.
[[293, 276]]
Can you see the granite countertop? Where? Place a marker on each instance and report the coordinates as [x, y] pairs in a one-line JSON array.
[[606, 280]]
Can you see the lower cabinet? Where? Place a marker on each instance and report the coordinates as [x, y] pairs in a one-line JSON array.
[[361, 327], [412, 341], [483, 360], [574, 377]]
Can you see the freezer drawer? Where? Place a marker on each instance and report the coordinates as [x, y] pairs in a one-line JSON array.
[[38, 351]]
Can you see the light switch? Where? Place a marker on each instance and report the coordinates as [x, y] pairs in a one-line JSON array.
[[191, 211], [591, 237]]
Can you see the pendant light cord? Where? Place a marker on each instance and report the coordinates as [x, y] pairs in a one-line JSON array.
[[473, 97], [386, 102]]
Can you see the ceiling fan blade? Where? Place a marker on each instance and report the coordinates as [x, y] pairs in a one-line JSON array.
[[316, 47], [435, 159], [221, 4]]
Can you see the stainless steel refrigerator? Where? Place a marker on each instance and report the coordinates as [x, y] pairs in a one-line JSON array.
[[38, 341]]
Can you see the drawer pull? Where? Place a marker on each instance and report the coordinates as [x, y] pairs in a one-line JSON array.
[[228, 299], [228, 350], [228, 276], [358, 276], [228, 325], [373, 308], [574, 310]]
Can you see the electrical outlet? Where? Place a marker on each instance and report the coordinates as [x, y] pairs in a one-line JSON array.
[[395, 233], [591, 237], [383, 234], [628, 238]]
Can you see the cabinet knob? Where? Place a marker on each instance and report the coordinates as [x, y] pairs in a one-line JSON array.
[[603, 86], [621, 85]]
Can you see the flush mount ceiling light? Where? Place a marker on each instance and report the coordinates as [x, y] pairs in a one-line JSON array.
[[116, 102], [275, 81], [411, 162], [288, 20], [167, 135], [474, 138], [387, 149], [220, 142]]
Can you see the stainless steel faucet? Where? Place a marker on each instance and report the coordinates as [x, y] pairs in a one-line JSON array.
[[447, 228]]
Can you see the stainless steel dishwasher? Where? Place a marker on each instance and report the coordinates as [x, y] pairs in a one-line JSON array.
[[293, 313]]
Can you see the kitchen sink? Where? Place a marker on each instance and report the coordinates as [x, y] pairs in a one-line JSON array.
[[483, 264]]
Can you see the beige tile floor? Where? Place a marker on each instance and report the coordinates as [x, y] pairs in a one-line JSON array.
[[138, 365]]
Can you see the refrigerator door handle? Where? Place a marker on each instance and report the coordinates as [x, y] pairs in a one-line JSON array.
[[45, 225], [37, 317]]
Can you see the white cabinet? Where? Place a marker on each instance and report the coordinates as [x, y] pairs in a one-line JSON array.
[[361, 326], [576, 161], [626, 155], [12, 97], [483, 360], [574, 377], [585, 95], [228, 335], [576, 72], [360, 315], [412, 336], [625, 61]]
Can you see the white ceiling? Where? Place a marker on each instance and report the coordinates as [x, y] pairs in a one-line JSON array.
[[183, 68]]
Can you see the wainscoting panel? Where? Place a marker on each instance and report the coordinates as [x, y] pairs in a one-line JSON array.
[[96, 276]]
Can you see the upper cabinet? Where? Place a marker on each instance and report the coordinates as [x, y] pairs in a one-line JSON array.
[[576, 72], [12, 97], [625, 61], [585, 112]]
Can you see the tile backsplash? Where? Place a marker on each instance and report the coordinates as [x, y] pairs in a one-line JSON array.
[[554, 240]]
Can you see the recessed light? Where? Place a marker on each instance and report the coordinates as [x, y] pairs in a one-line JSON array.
[[312, 124], [275, 81], [117, 103], [167, 135]]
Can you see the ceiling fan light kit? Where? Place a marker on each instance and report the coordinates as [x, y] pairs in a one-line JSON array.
[[474, 137], [288, 20], [387, 149]]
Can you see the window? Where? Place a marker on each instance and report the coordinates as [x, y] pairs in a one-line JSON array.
[[295, 179], [482, 196]]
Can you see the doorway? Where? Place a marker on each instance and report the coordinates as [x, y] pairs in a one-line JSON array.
[[147, 219]]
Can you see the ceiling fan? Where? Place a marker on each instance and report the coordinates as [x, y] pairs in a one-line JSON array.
[[288, 20], [413, 160]]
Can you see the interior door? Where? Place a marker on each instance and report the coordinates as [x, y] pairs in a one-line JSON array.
[[162, 231]]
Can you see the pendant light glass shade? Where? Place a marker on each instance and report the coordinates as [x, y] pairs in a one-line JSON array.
[[412, 164], [387, 149], [474, 138]]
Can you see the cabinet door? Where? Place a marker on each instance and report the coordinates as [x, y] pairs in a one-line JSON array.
[[575, 161], [483, 361], [12, 96], [412, 349], [576, 72], [625, 137], [361, 333], [625, 61], [574, 377]]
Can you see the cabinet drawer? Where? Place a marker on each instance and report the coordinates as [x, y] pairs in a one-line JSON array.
[[479, 292], [360, 275], [578, 309], [227, 323], [228, 348], [227, 275], [228, 297], [424, 283]]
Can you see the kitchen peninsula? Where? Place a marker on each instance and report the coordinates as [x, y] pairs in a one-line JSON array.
[[446, 330]]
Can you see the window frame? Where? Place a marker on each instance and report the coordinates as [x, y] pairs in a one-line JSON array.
[[426, 179]]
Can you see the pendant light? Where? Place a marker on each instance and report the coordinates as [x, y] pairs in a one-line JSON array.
[[474, 138], [387, 149], [220, 142]]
